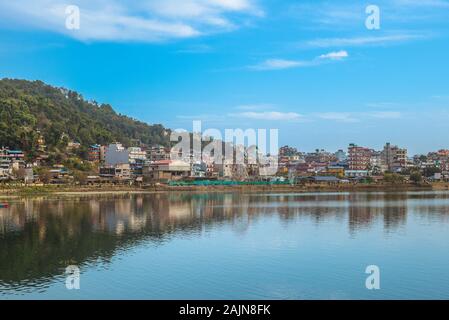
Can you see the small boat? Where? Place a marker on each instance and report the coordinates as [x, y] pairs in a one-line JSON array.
[[4, 205]]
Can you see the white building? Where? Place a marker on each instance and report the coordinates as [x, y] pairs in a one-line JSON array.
[[116, 154], [136, 155]]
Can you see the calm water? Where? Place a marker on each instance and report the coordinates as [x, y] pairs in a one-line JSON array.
[[227, 246]]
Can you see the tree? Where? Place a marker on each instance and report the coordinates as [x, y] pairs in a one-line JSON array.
[[19, 174], [393, 178], [30, 106], [416, 177], [430, 171], [44, 175], [80, 177]]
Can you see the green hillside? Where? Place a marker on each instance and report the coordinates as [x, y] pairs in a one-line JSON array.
[[27, 107]]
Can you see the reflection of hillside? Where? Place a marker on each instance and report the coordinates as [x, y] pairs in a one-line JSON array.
[[40, 237]]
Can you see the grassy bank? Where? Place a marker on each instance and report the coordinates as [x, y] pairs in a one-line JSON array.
[[14, 191]]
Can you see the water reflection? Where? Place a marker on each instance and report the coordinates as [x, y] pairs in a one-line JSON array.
[[39, 237]]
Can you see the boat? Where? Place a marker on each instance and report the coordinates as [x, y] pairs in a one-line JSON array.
[[4, 205]]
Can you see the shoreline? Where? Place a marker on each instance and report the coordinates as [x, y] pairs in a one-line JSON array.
[[22, 191]]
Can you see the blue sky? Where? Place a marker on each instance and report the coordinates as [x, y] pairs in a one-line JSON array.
[[309, 68]]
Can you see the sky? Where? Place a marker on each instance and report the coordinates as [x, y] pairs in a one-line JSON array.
[[312, 69]]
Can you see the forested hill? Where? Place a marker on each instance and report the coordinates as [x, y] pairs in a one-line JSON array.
[[27, 107]]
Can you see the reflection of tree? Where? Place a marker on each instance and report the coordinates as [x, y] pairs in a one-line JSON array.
[[39, 237]]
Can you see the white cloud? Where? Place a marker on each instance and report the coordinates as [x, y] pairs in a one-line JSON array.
[[335, 55], [361, 41], [358, 116], [269, 115], [423, 3], [385, 115], [112, 20], [251, 107], [280, 64], [338, 116]]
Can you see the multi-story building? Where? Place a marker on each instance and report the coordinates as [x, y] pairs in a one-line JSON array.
[[377, 165], [11, 160], [287, 151], [341, 156], [118, 172], [394, 157], [359, 157], [137, 159], [136, 155], [158, 153], [116, 154], [320, 156], [166, 170], [94, 153]]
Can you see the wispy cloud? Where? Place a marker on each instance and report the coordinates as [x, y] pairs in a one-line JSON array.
[[111, 20], [280, 64], [253, 107], [268, 115], [385, 115], [350, 14], [383, 105], [337, 116], [358, 116], [361, 41], [423, 3], [338, 55]]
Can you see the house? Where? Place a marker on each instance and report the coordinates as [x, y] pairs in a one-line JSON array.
[[199, 170], [158, 152], [324, 180], [166, 170], [335, 171], [356, 173], [119, 172]]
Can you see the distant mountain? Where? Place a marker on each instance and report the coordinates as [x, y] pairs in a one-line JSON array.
[[29, 109]]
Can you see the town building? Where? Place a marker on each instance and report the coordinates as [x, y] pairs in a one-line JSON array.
[[158, 152], [94, 153], [166, 170], [359, 157], [137, 160], [116, 154], [394, 157], [118, 172], [341, 156]]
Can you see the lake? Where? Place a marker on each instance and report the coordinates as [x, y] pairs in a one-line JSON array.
[[226, 246]]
